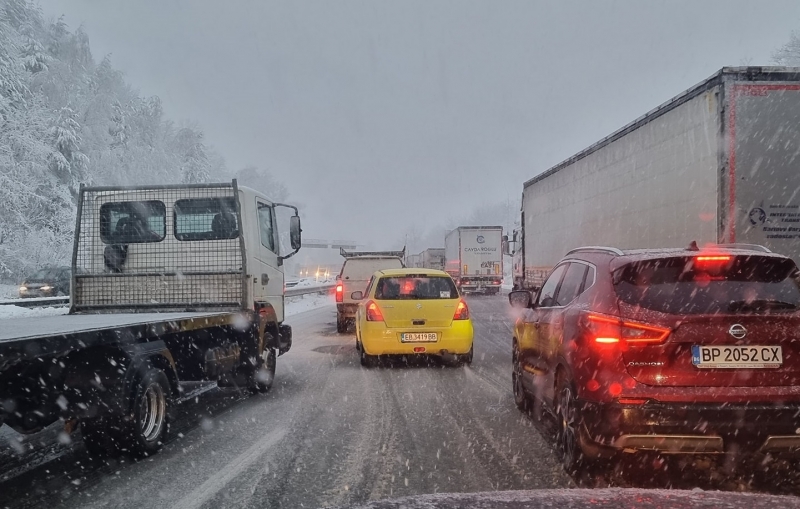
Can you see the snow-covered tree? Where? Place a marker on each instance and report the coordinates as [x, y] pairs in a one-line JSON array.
[[66, 120], [789, 53]]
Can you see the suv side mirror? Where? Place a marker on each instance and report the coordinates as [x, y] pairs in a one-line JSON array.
[[295, 232], [357, 295], [520, 299]]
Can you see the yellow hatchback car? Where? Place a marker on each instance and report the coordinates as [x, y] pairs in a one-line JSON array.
[[412, 311]]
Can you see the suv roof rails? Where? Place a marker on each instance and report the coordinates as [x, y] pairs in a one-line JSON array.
[[752, 247], [604, 249]]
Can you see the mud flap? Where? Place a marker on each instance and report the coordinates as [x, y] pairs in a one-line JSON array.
[[284, 339]]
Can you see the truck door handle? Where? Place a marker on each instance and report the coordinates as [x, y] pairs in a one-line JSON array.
[[264, 279]]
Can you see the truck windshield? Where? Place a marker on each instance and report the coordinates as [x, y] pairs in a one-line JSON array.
[[414, 287], [682, 286]]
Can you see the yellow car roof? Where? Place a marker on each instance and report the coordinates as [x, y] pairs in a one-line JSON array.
[[416, 272]]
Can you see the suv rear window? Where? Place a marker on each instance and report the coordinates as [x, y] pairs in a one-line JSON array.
[[361, 269], [683, 285], [415, 287]]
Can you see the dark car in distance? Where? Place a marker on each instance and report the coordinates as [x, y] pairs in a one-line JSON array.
[[676, 351], [46, 282]]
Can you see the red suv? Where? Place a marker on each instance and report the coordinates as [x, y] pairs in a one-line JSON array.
[[670, 350]]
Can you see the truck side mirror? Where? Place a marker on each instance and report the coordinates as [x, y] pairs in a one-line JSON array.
[[506, 246], [295, 232]]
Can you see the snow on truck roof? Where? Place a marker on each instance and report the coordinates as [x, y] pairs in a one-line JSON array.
[[773, 73]]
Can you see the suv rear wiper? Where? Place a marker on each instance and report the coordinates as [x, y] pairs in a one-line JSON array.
[[759, 304]]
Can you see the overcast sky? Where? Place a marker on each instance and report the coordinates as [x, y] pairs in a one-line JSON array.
[[378, 115]]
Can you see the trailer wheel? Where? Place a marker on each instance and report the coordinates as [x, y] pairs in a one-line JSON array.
[[145, 430]]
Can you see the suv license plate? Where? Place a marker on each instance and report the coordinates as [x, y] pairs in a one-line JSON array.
[[419, 337], [737, 357]]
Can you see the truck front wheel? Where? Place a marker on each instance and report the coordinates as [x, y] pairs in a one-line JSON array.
[[145, 430]]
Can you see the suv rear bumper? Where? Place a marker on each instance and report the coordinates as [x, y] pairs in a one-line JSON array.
[[691, 428]]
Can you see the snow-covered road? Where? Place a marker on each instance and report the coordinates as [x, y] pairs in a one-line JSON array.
[[330, 433]]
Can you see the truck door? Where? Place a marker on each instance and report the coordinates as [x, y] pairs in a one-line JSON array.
[[266, 273]]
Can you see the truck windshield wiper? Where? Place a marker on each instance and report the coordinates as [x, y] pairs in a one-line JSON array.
[[759, 305]]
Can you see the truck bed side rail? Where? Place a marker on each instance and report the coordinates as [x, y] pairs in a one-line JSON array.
[[158, 248]]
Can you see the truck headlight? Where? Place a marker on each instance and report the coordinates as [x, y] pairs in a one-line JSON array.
[[23, 288], [46, 288]]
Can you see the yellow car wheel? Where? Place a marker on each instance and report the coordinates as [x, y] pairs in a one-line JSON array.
[[368, 361]]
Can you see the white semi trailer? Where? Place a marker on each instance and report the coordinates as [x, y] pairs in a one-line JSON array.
[[715, 164]]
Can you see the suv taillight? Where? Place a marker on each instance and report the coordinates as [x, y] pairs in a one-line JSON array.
[[610, 330], [462, 311], [339, 292], [373, 312]]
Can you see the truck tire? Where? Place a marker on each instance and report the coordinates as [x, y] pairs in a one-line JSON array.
[[341, 325], [144, 431], [101, 436]]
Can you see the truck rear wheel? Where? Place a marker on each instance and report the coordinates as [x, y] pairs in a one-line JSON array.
[[143, 434], [341, 325], [101, 436]]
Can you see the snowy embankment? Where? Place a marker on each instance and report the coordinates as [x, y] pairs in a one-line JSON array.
[[9, 291]]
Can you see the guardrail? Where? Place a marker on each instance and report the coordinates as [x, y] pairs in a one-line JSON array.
[[64, 301]]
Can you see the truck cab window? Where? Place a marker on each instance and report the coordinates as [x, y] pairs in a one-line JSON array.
[[265, 226], [132, 222], [205, 219]]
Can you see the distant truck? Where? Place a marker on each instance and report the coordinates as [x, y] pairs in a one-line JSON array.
[[715, 164], [433, 258], [414, 261], [357, 269], [474, 258], [169, 284]]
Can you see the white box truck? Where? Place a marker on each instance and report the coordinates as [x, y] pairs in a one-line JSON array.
[[716, 164], [474, 258]]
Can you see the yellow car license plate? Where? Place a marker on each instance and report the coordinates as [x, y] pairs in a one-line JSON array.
[[419, 337]]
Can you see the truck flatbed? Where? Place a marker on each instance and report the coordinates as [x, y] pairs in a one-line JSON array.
[[29, 337]]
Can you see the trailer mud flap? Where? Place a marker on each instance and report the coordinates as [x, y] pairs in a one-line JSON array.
[[284, 339]]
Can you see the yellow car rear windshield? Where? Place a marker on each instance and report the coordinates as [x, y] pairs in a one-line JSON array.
[[413, 287]]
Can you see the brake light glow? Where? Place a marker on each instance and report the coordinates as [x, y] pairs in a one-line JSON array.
[[462, 311], [339, 293], [711, 260], [609, 330], [720, 258], [374, 312], [632, 401]]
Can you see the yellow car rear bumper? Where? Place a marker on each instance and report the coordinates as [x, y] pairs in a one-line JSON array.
[[377, 339]]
